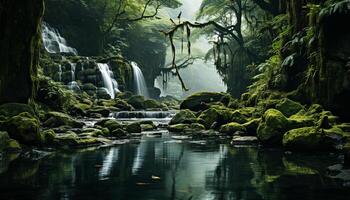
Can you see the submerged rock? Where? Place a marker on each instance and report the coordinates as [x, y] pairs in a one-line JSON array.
[[198, 101], [244, 140]]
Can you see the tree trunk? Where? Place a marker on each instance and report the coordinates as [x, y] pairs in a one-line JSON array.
[[19, 48]]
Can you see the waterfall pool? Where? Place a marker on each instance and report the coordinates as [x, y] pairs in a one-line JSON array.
[[165, 167]]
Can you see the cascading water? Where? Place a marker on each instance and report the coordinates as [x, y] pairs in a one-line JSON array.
[[139, 81], [109, 82], [59, 73], [54, 42]]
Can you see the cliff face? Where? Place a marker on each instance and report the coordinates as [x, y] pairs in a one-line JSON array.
[[19, 48], [318, 44]]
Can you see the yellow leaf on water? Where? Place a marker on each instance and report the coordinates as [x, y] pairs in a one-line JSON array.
[[155, 177]]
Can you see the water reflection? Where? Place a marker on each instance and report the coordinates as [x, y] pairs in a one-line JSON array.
[[158, 168]]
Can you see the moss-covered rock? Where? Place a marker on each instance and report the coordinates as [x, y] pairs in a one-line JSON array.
[[101, 110], [252, 126], [177, 128], [197, 126], [198, 101], [49, 136], [7, 144], [119, 133], [299, 121], [56, 119], [151, 103], [138, 102], [110, 124], [238, 117], [13, 109], [232, 128], [92, 132], [72, 140], [24, 128], [312, 138], [134, 127], [183, 117], [289, 107], [272, 127], [217, 115], [148, 127]]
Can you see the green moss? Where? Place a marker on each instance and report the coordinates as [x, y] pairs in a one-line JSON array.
[[238, 117], [134, 128], [7, 144], [218, 115], [252, 126], [119, 133], [197, 101], [49, 136], [312, 138], [151, 103], [56, 119], [110, 124], [272, 127], [183, 117], [177, 128], [137, 102], [231, 128], [24, 128], [289, 107], [299, 121], [13, 109]]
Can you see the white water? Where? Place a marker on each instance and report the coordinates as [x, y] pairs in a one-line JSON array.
[[139, 81], [54, 42], [59, 73], [109, 82]]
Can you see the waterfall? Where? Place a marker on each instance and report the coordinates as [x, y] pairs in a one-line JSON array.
[[109, 82], [139, 81], [54, 42], [59, 73]]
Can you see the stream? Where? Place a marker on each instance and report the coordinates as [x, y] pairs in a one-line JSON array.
[[169, 167]]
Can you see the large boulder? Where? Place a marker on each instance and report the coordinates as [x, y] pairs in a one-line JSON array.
[[110, 124], [56, 119], [138, 102], [177, 128], [272, 127], [289, 107], [232, 128], [7, 144], [183, 117], [312, 138], [215, 117], [24, 128], [134, 127], [198, 101], [13, 109]]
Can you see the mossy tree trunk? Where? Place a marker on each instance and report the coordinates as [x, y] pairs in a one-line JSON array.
[[19, 48]]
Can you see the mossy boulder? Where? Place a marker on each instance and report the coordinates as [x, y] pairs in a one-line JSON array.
[[101, 110], [272, 127], [312, 138], [197, 126], [93, 132], [252, 126], [110, 124], [56, 119], [232, 128], [134, 127], [183, 117], [13, 109], [24, 128], [138, 102], [73, 140], [198, 101], [289, 107], [238, 117], [177, 128], [49, 136], [151, 103], [299, 120], [119, 133], [7, 144], [219, 116]]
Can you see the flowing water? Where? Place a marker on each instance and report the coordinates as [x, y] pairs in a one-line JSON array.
[[160, 168], [109, 82], [54, 42], [140, 85]]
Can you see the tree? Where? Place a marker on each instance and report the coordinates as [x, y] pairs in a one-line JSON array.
[[19, 48]]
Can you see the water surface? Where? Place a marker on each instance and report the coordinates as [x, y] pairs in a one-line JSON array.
[[163, 168]]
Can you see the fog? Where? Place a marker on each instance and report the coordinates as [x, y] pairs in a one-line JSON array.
[[200, 76]]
